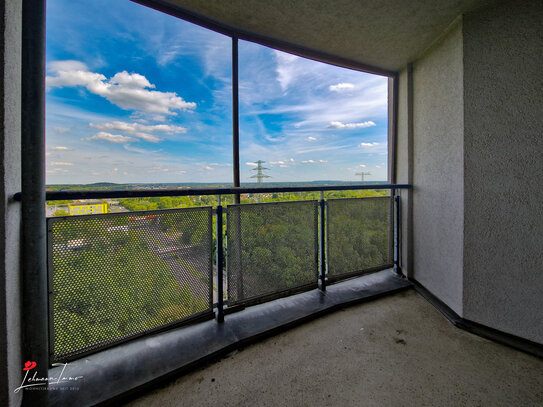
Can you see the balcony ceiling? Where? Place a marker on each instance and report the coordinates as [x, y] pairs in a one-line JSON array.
[[386, 34]]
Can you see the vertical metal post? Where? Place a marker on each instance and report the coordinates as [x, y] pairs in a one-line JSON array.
[[235, 144], [322, 205], [220, 261], [397, 236], [235, 115], [34, 236], [393, 90]]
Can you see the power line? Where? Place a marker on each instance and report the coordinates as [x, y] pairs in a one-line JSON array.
[[259, 174], [362, 174]]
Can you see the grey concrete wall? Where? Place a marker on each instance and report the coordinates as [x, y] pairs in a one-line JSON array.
[[10, 130], [503, 209], [438, 196]]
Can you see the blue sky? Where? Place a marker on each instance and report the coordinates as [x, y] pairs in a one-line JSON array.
[[134, 95]]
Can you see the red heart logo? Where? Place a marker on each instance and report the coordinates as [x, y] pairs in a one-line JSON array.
[[29, 365]]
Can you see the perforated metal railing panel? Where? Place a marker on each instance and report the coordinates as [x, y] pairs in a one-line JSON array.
[[117, 276], [272, 249], [359, 235]]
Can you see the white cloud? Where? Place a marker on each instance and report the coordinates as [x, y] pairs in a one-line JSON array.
[[111, 138], [273, 139], [276, 162], [57, 129], [252, 164], [341, 87], [323, 148], [288, 68], [158, 118], [60, 148], [137, 117], [313, 104], [158, 169], [283, 166], [362, 165], [207, 167], [129, 91], [311, 138], [128, 147], [368, 145], [134, 81], [340, 125], [140, 130], [55, 163], [67, 65], [57, 171], [314, 161]]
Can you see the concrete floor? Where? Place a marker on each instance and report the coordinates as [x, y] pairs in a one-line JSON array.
[[395, 351]]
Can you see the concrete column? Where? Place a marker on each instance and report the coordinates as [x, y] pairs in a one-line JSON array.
[[11, 362]]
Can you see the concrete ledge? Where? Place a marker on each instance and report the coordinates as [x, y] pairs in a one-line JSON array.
[[127, 369], [504, 338]]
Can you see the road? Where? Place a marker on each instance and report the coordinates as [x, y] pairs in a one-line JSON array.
[[189, 263]]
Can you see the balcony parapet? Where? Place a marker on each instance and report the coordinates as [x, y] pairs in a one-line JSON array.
[[132, 367]]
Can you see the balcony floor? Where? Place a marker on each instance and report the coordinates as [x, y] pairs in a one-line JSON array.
[[394, 351]]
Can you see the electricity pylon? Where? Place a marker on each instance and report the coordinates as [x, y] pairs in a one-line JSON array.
[[362, 174], [259, 174]]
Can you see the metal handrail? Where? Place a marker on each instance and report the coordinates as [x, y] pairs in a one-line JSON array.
[[140, 193]]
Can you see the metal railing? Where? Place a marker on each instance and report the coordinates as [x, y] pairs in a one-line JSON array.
[[359, 235], [272, 249], [114, 277]]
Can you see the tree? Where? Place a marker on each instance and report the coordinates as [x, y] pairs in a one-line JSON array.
[[112, 285], [61, 212]]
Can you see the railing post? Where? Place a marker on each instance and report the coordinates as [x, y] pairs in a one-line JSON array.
[[322, 205], [397, 236], [33, 267], [220, 257]]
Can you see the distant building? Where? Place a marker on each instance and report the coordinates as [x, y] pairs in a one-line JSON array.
[[87, 208], [76, 244], [118, 229]]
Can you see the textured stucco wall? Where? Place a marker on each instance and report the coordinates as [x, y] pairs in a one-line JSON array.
[[503, 247], [10, 113], [438, 127]]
